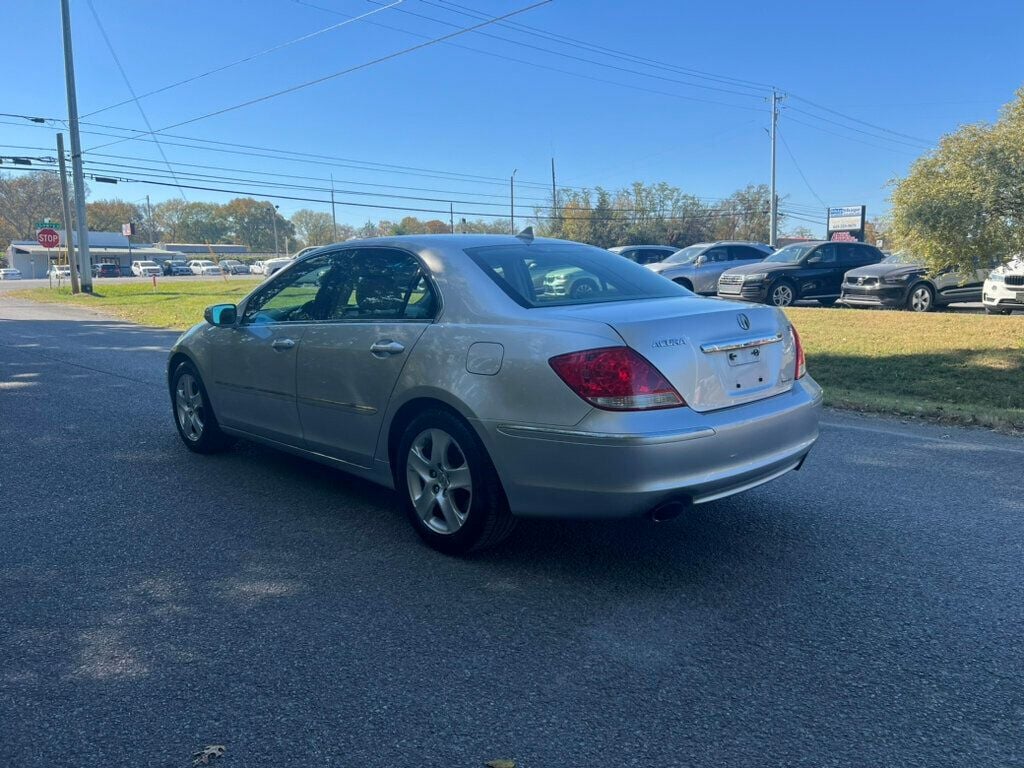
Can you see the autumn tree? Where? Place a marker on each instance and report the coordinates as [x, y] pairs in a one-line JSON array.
[[110, 215], [26, 199], [962, 205], [317, 227], [252, 223]]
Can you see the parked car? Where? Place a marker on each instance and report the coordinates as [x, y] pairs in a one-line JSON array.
[[173, 267], [204, 267], [146, 269], [106, 270], [1003, 291], [59, 272], [10, 273], [256, 268], [635, 400], [644, 254], [699, 266], [270, 266], [234, 267], [899, 281], [812, 269]]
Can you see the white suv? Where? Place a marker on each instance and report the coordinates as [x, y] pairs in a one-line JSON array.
[[204, 267], [146, 269], [1004, 290]]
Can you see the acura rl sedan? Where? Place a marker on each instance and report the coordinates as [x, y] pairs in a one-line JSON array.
[[439, 365]]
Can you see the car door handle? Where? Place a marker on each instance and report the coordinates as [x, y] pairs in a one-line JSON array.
[[387, 347], [283, 343]]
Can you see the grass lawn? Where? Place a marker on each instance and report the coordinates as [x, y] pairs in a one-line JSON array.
[[955, 367]]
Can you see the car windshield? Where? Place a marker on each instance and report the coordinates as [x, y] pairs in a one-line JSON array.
[[147, 263], [559, 274], [791, 253], [205, 263], [686, 255], [900, 257]]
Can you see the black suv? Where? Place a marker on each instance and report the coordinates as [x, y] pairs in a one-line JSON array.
[[809, 270]]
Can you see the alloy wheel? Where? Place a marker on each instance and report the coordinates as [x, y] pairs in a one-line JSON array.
[[439, 480], [782, 295], [921, 299], [188, 401]]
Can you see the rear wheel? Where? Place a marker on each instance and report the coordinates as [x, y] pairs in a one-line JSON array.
[[782, 294], [921, 299], [450, 489], [193, 416]]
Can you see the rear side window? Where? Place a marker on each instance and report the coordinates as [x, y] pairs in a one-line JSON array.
[[557, 274]]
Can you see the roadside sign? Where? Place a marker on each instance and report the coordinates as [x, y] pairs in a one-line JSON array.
[[846, 221], [128, 229], [48, 237], [47, 224]]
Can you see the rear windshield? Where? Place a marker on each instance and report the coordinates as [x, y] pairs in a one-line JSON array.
[[558, 274]]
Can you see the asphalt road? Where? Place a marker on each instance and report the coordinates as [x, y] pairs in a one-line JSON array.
[[866, 611]]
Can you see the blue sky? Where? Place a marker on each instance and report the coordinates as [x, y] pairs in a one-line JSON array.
[[913, 71]]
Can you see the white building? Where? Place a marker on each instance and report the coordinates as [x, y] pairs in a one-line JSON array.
[[104, 248]]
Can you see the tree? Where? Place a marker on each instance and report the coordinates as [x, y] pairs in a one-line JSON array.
[[961, 206], [110, 215], [745, 215], [179, 221], [252, 222], [26, 199], [317, 227]]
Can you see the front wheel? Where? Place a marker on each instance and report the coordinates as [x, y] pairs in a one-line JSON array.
[[782, 294], [193, 415], [450, 489], [921, 299], [994, 311]]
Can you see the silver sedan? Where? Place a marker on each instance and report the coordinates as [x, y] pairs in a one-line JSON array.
[[439, 366]]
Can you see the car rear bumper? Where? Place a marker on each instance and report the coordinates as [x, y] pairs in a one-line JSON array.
[[693, 457]]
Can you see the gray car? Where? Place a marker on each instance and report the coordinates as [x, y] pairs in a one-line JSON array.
[[644, 254], [699, 266], [433, 365]]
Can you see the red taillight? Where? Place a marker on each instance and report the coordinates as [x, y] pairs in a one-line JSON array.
[[616, 379], [800, 369]]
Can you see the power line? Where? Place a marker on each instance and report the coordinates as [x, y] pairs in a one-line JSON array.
[[923, 146], [798, 169], [849, 138], [131, 90], [248, 58], [861, 122], [346, 71]]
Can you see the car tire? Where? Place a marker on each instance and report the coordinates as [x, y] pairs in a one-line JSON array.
[[684, 282], [583, 288], [193, 415], [782, 294], [827, 302], [451, 492], [921, 298]]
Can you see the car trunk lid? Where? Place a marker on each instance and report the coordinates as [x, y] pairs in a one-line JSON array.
[[715, 353]]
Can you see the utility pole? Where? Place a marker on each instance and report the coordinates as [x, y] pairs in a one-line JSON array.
[[774, 226], [334, 215], [554, 190], [76, 153], [451, 217], [273, 218], [69, 244], [512, 199], [149, 213]]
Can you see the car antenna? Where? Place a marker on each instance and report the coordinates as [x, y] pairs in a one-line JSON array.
[[526, 235]]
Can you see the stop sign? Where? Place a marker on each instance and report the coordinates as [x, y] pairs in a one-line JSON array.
[[48, 238]]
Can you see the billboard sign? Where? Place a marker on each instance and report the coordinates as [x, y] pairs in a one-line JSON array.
[[846, 222]]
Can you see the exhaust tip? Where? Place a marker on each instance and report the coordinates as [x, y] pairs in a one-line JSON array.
[[669, 510]]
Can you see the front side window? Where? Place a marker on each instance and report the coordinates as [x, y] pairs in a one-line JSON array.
[[716, 255], [289, 297], [559, 274], [826, 254]]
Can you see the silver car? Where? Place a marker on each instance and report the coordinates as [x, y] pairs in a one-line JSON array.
[[432, 365], [699, 266]]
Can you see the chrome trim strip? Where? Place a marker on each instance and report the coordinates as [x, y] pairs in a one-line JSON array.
[[728, 346], [603, 438], [259, 390], [365, 410]]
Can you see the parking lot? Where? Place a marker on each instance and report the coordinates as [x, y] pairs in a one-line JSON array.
[[864, 611]]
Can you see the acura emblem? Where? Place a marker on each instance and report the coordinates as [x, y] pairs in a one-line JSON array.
[[744, 321]]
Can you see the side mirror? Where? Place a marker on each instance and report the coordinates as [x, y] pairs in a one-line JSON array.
[[221, 314], [699, 261]]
